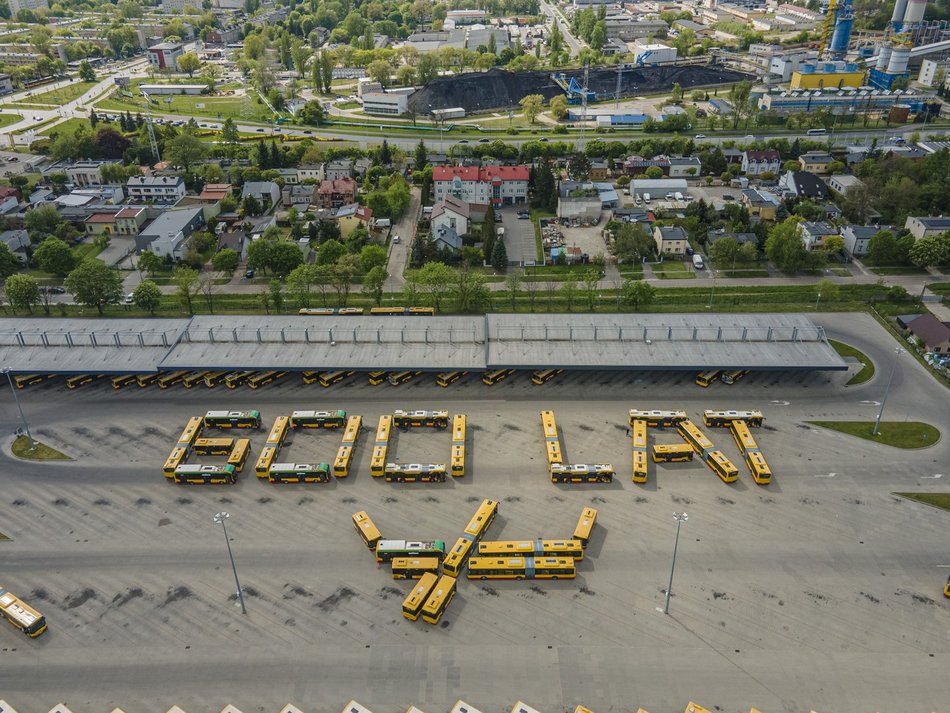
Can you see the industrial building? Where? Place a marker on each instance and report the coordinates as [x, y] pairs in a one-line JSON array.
[[844, 101], [821, 75]]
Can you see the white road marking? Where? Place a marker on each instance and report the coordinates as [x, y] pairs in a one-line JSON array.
[[870, 403], [932, 477], [780, 403], [827, 475]]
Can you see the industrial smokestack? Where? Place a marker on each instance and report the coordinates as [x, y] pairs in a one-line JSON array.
[[844, 19], [900, 9], [915, 12]]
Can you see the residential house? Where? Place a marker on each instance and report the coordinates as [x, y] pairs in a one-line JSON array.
[[289, 176], [8, 205], [444, 237], [99, 224], [685, 166], [925, 226], [816, 161], [168, 234], [215, 191], [914, 153], [498, 185], [86, 173], [300, 197], [641, 216], [733, 156], [813, 235], [760, 204], [335, 170], [129, 221], [235, 240], [10, 192], [310, 172], [857, 237], [19, 243], [350, 216], [267, 193], [803, 184], [844, 183], [670, 240], [599, 171], [932, 332], [457, 214], [637, 165], [155, 189], [337, 192], [755, 163], [741, 238]]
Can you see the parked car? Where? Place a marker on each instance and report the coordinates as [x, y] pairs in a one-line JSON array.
[[128, 298], [249, 273], [52, 290], [395, 239], [700, 136]]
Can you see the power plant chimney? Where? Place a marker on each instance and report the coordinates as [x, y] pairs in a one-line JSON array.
[[914, 14]]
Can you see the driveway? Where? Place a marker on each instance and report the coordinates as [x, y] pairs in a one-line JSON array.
[[405, 228], [519, 236]]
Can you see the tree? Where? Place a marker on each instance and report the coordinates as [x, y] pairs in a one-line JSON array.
[[558, 107], [931, 250], [784, 246], [250, 204], [826, 291], [147, 296], [598, 37], [883, 249], [406, 75], [435, 278], [420, 157], [149, 262], [653, 172], [531, 106], [330, 252], [373, 256], [632, 243], [373, 283], [579, 167], [86, 72], [229, 131], [8, 262], [185, 150], [187, 287], [275, 294], [226, 260], [591, 279], [189, 62], [676, 96], [253, 47], [833, 244], [512, 286], [284, 257], [55, 257], [342, 274], [94, 285], [311, 113], [724, 251], [23, 292], [637, 293], [499, 255], [569, 294], [41, 222], [739, 98], [300, 55], [427, 68], [259, 254], [381, 71], [300, 280]]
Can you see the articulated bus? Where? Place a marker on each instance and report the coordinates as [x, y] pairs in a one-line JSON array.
[[481, 521], [412, 606], [237, 378], [731, 377], [585, 526], [213, 446], [521, 568], [191, 433], [946, 589], [325, 311], [721, 466], [489, 378], [761, 472], [176, 458], [376, 378], [639, 435], [176, 377], [311, 377], [553, 449], [317, 419], [458, 446], [74, 382], [543, 376], [721, 419], [299, 473], [124, 380], [367, 530], [377, 467], [531, 548], [582, 473], [341, 465], [259, 380], [549, 425], [387, 550], [192, 380], [400, 311], [213, 378], [24, 380], [239, 454], [455, 560], [333, 377], [278, 431], [672, 453], [354, 424], [233, 419], [21, 615], [694, 437], [439, 600], [401, 377], [206, 474], [415, 473], [705, 378], [655, 418], [264, 460], [144, 380], [416, 419], [414, 567], [448, 378]]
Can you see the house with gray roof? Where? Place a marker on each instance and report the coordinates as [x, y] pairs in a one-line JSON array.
[[168, 234]]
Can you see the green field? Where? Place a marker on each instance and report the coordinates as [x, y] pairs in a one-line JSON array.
[[63, 95], [21, 449], [846, 350], [937, 500], [8, 119], [899, 434], [238, 108], [673, 271]]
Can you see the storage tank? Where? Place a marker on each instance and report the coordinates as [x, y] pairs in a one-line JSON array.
[[899, 114], [915, 12], [844, 19], [900, 58], [900, 9], [883, 57]]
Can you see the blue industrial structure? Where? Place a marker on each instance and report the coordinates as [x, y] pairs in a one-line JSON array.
[[841, 37], [572, 89]]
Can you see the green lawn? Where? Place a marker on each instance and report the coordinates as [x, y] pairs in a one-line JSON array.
[[237, 108], [21, 449], [86, 249], [673, 271], [937, 500], [8, 119], [840, 272], [63, 95], [846, 350], [939, 288], [898, 270], [899, 434], [67, 127]]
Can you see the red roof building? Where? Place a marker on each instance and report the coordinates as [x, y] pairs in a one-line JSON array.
[[481, 185]]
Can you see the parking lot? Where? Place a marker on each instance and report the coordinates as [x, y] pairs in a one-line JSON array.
[[819, 591], [519, 236]]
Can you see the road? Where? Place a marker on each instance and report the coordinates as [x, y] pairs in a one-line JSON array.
[[399, 252], [572, 42]]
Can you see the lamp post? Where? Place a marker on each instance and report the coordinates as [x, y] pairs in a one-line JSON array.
[[26, 426], [680, 518], [877, 423], [818, 299], [219, 519]]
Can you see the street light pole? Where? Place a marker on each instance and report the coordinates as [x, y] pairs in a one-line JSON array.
[[680, 518], [818, 299], [877, 423], [26, 426], [219, 519]]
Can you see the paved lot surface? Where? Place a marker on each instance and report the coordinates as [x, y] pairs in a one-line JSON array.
[[817, 591], [519, 236]]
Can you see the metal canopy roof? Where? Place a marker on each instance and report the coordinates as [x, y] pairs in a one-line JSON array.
[[368, 342]]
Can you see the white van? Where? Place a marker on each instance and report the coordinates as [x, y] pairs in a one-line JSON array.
[[646, 197], [678, 196], [698, 261]]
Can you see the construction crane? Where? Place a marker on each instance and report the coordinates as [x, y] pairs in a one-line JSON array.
[[153, 144]]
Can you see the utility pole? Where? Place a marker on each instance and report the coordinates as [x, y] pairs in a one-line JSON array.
[[680, 518], [877, 422], [153, 144]]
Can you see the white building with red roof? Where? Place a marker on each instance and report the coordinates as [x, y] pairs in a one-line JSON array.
[[497, 185]]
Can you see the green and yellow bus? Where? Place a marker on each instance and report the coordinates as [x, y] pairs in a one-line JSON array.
[[213, 446], [585, 526], [418, 419], [259, 380], [448, 378], [455, 559], [412, 605], [439, 600], [386, 550], [239, 455], [490, 378], [191, 433], [206, 474], [480, 522], [299, 473], [233, 419], [544, 375], [317, 419], [414, 567], [176, 377], [521, 568], [334, 377], [21, 615], [367, 530]]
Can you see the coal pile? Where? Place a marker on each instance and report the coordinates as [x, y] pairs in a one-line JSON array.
[[498, 89]]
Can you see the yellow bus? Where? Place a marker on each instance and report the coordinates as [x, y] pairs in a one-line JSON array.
[[457, 461], [24, 380], [192, 432], [177, 457], [582, 473], [144, 380], [585, 526], [656, 418], [414, 567], [334, 377], [548, 425], [21, 615], [401, 377], [213, 378], [705, 378], [412, 605], [481, 521], [672, 453], [195, 378], [236, 378], [74, 382], [316, 311], [176, 377], [639, 435], [458, 445], [761, 473], [544, 376], [946, 589], [317, 419], [124, 380], [721, 466], [386, 550], [731, 377], [725, 419], [239, 455], [213, 446], [418, 419], [439, 600], [454, 561], [531, 548], [311, 377], [421, 311], [415, 472], [490, 378], [264, 460], [521, 568], [388, 311], [299, 473], [694, 437], [376, 378], [278, 431], [341, 464], [448, 378], [367, 530], [554, 453], [233, 419], [206, 474], [377, 466], [259, 380]]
